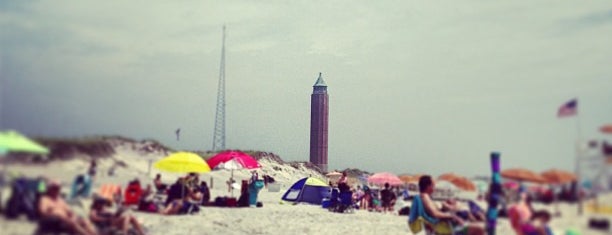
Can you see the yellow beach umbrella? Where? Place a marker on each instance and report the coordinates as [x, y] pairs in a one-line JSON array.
[[182, 162]]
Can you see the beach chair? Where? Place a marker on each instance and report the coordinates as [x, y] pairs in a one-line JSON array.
[[132, 194], [333, 199], [112, 192], [420, 222], [345, 202]]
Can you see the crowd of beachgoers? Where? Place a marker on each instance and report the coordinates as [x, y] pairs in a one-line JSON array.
[[84, 200]]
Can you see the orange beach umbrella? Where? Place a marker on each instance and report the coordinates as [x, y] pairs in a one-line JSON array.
[[555, 176], [407, 179], [448, 176], [521, 174], [606, 129], [459, 181]]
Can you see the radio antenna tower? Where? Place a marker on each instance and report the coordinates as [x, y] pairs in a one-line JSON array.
[[219, 135]]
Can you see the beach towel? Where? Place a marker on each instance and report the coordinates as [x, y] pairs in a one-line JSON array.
[[110, 192]]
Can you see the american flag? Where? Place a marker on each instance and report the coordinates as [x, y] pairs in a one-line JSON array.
[[568, 109]]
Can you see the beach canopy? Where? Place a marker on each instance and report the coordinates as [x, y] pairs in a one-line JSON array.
[[182, 162], [520, 174], [555, 176], [308, 190], [384, 177], [12, 141]]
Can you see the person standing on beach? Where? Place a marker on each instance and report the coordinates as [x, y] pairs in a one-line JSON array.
[[92, 168], [343, 183], [387, 197]]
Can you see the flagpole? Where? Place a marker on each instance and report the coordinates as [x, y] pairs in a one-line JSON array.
[[577, 161]]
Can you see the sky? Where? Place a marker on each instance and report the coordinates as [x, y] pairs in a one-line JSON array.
[[414, 86]]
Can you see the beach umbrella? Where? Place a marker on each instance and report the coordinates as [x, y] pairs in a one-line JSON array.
[[232, 160], [408, 179], [384, 177], [12, 141], [555, 176], [459, 181], [405, 178], [463, 184], [606, 129], [333, 174], [521, 174], [240, 159], [448, 176], [445, 185], [182, 162]]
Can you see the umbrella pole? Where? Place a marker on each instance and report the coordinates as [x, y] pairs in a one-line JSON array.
[[232, 184]]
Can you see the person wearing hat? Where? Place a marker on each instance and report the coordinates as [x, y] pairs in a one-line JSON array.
[[53, 207]]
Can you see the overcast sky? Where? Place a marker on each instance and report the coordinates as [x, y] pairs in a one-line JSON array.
[[414, 86]]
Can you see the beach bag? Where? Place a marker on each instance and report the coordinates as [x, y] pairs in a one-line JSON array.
[[220, 201], [24, 199], [404, 211], [231, 202], [599, 224]]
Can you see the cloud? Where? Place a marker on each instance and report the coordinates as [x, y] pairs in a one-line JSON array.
[[411, 81]]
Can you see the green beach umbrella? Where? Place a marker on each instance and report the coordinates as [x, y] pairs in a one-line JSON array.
[[12, 141]]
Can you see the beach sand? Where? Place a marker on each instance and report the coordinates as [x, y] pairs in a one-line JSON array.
[[274, 217]]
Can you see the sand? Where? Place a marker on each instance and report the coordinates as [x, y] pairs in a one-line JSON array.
[[274, 217]]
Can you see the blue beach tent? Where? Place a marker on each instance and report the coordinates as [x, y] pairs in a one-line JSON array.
[[309, 190]]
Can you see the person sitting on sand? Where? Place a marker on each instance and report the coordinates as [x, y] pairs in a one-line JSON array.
[[177, 191], [388, 198], [52, 207], [451, 205], [181, 206], [192, 180], [520, 213], [426, 188], [161, 187], [538, 224], [343, 183], [101, 217], [204, 191], [243, 200]]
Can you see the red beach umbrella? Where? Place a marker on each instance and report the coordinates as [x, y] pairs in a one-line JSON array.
[[234, 159]]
